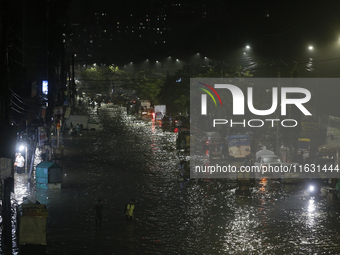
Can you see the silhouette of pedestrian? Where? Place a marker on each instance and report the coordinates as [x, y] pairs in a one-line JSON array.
[[329, 202], [129, 210]]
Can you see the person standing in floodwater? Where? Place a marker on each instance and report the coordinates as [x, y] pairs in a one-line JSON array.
[[99, 211], [129, 210], [20, 163], [329, 202]]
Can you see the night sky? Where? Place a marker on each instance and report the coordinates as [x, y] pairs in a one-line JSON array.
[[228, 25], [278, 33]]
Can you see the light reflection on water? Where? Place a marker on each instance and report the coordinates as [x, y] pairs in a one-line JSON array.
[[134, 158]]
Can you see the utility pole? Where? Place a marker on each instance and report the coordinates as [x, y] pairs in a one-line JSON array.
[[279, 96], [74, 91]]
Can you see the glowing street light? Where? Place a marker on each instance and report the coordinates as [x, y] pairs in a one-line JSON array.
[[21, 147], [310, 47], [247, 47]]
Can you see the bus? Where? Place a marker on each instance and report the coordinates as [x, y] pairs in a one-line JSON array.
[[239, 146]]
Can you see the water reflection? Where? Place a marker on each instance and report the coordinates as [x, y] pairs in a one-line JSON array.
[[311, 207], [134, 158]]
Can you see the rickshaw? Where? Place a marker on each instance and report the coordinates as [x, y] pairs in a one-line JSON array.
[[327, 155]]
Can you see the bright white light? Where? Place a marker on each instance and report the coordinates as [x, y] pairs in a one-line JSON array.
[[247, 47], [311, 188], [177, 59], [21, 148], [156, 61], [310, 47], [45, 87], [311, 206]]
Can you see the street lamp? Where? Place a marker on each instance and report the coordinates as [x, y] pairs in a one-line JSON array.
[[246, 49], [310, 47], [21, 148]]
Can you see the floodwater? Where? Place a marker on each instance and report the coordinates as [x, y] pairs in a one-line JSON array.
[[136, 159]]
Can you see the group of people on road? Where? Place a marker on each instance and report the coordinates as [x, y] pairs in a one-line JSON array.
[[128, 211], [75, 131]]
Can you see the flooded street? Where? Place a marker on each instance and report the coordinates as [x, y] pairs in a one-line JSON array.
[[137, 159]]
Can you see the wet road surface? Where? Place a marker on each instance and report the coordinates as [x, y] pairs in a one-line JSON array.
[[136, 159]]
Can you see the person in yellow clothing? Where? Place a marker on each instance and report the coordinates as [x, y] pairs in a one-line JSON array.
[[129, 210]]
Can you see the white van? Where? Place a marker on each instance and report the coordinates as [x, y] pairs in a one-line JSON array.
[[82, 120], [94, 126]]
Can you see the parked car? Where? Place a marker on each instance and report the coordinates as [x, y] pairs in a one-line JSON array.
[[181, 121], [144, 111], [94, 126], [263, 162], [167, 121]]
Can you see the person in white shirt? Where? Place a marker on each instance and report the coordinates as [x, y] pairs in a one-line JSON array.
[[20, 163]]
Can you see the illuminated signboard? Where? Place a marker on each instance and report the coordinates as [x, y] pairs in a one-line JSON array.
[[45, 87]]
